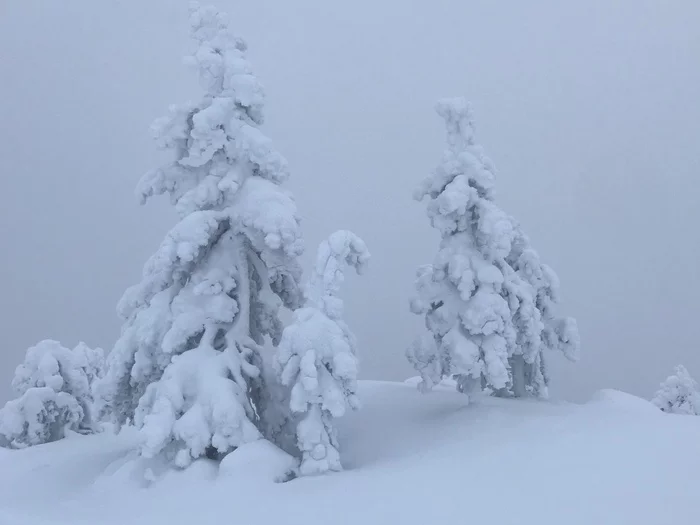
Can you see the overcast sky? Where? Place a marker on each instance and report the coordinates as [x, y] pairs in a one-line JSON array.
[[589, 109]]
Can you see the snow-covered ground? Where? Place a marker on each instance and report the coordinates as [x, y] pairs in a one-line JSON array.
[[409, 458]]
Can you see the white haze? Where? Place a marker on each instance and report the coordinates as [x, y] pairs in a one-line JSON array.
[[590, 111]]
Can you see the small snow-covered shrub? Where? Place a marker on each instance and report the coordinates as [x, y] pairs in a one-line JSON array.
[[316, 357], [679, 394], [54, 385]]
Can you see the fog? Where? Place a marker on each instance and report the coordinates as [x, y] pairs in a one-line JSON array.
[[590, 111]]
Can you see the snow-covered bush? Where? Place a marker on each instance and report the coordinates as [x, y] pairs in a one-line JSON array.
[[317, 356], [488, 301], [679, 394], [54, 389], [187, 367]]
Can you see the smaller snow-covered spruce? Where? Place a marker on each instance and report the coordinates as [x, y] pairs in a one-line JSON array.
[[679, 394], [317, 358], [490, 305], [188, 369], [54, 385]]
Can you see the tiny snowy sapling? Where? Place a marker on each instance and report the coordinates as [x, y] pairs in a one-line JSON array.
[[679, 394], [188, 368], [54, 385], [489, 303], [317, 358]]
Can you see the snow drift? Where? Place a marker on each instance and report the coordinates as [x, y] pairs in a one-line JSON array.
[[409, 458]]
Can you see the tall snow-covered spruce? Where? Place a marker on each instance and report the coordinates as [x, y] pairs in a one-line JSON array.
[[316, 357], [188, 367], [490, 305]]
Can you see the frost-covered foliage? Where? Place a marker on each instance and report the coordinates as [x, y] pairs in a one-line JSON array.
[[317, 356], [54, 389], [679, 394], [92, 362], [187, 367], [488, 301]]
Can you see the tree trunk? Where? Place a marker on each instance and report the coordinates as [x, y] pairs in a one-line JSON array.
[[517, 369]]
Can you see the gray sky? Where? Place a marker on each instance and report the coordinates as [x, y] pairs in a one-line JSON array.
[[590, 111]]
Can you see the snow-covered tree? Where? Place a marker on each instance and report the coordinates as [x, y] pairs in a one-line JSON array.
[[92, 361], [490, 305], [316, 357], [679, 394], [187, 367], [54, 389]]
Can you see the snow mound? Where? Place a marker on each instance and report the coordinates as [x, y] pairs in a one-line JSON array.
[[258, 462], [447, 383], [623, 401], [410, 458]]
